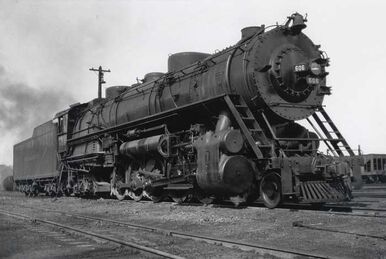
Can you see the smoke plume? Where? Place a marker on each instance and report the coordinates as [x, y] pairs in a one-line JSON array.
[[22, 108]]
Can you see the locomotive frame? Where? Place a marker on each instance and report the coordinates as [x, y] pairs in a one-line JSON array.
[[218, 126]]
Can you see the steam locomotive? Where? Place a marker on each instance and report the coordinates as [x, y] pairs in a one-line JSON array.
[[215, 126]]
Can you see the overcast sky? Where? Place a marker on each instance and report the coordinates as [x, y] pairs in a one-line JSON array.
[[47, 47]]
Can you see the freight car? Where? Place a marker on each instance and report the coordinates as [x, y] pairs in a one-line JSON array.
[[374, 168], [215, 126]]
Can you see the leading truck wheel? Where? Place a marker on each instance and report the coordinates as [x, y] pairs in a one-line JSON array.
[[270, 190]]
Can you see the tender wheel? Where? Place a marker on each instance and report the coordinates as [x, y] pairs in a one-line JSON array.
[[270, 190]]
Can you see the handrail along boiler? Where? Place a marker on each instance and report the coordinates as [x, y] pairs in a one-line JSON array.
[[220, 126]]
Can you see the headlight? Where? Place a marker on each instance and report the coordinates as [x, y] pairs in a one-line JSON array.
[[315, 68]]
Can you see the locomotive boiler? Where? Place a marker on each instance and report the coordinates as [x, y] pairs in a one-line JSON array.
[[214, 126]]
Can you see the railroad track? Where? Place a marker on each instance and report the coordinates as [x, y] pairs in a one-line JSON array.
[[333, 209], [91, 234], [374, 186], [369, 191], [245, 246], [336, 209], [340, 211], [301, 225], [343, 210], [346, 211], [370, 194]]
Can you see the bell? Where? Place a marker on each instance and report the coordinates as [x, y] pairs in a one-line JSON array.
[[297, 23]]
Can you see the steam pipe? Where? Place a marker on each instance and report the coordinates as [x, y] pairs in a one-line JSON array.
[[223, 122]]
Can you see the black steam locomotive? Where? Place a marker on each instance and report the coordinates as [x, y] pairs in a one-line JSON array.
[[218, 126]]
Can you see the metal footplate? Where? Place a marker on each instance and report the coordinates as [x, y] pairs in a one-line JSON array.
[[321, 191]]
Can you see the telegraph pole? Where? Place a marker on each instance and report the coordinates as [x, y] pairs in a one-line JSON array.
[[100, 79]]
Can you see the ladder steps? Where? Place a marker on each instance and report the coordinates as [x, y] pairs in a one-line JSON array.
[[322, 119], [249, 125]]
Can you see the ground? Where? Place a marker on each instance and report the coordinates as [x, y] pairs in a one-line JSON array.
[[252, 224]]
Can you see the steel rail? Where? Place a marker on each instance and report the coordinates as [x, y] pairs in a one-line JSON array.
[[340, 210], [353, 208], [276, 251], [353, 213], [301, 225], [327, 209], [370, 194], [88, 233], [369, 209], [356, 215], [336, 210]]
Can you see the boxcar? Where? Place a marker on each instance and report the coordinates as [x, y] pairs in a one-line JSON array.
[[375, 168]]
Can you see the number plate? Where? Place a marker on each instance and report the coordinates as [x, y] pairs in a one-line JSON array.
[[300, 68], [312, 80]]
